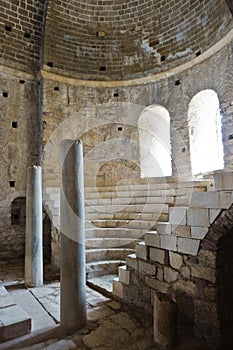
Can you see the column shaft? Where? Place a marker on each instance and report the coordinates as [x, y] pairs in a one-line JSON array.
[[34, 231]]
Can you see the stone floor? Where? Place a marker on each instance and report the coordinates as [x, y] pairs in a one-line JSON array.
[[111, 325]]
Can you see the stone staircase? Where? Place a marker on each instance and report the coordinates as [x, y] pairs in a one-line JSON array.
[[116, 218]]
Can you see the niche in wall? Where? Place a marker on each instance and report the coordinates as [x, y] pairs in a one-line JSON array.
[[18, 211]]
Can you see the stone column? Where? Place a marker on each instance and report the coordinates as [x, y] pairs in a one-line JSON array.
[[34, 231], [72, 263], [165, 321]]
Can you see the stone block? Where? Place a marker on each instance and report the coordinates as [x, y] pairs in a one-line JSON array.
[[198, 217], [141, 251], [178, 216], [157, 255], [117, 288], [187, 287], [132, 261], [152, 239], [154, 283], [170, 275], [168, 242], [188, 246], [181, 231], [213, 200], [223, 181], [5, 298], [14, 322], [213, 214], [208, 258], [165, 321], [146, 268], [123, 274], [175, 260], [160, 274], [163, 228], [203, 272], [198, 232]]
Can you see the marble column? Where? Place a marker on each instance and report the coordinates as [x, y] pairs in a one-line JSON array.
[[72, 238], [34, 231]]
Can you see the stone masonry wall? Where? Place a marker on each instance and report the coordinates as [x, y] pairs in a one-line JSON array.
[[100, 114], [117, 40], [185, 260], [19, 142]]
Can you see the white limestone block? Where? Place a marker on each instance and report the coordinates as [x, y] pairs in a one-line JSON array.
[[176, 260], [188, 246], [141, 251], [163, 228], [198, 217], [152, 239], [178, 215], [132, 261], [123, 274], [118, 288], [223, 181], [198, 232], [213, 213], [213, 200], [169, 242]]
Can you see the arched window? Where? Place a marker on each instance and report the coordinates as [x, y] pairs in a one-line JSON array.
[[205, 134], [154, 140]]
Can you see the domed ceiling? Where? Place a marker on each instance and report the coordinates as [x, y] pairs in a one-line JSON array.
[[119, 39]]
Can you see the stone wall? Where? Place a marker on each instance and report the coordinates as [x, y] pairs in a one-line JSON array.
[[105, 113], [19, 142], [117, 40], [189, 259]]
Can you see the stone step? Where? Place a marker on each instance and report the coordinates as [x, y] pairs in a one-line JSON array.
[[110, 243], [64, 344], [114, 233], [14, 321], [106, 254], [101, 268], [130, 208], [137, 224], [128, 216]]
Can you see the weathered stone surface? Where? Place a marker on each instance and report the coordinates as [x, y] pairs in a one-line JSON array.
[[181, 231], [170, 275], [132, 261], [186, 272], [178, 215], [188, 246], [198, 217], [146, 268], [157, 255], [165, 321], [207, 258], [168, 242], [118, 288], [198, 232], [203, 272], [152, 239], [154, 283], [141, 250], [163, 228], [123, 274], [185, 286], [175, 260], [223, 181]]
